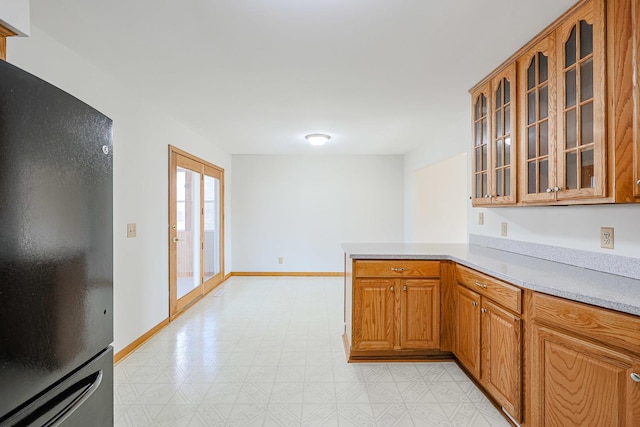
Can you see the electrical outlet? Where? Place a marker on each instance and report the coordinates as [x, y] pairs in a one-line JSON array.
[[606, 237], [481, 218], [503, 229], [280, 260], [131, 230]]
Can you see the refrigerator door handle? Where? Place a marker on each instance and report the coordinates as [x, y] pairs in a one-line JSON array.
[[90, 385]]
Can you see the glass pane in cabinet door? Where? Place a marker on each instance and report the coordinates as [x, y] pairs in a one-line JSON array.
[[499, 152], [477, 109], [586, 39], [478, 134], [544, 138], [507, 151], [479, 186], [478, 159], [586, 124], [483, 105], [484, 184], [507, 91], [586, 80], [531, 107], [544, 103], [499, 130], [484, 157], [570, 49], [571, 129], [532, 142], [570, 88], [531, 74], [544, 175], [531, 178], [499, 183], [543, 68], [507, 120], [587, 176], [499, 96], [571, 170], [484, 131], [507, 182]]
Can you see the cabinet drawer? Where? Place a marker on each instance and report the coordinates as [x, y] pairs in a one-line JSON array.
[[399, 268], [610, 327], [507, 295]]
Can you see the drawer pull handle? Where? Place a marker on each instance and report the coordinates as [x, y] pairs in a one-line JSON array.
[[392, 289], [398, 269], [482, 285], [404, 288], [483, 310], [473, 303], [635, 377]]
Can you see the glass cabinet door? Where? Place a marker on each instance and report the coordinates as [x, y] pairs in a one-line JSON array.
[[481, 124], [502, 150], [581, 118], [538, 122]]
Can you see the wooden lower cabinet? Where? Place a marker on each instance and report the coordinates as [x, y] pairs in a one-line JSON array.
[[489, 345], [397, 314], [584, 365]]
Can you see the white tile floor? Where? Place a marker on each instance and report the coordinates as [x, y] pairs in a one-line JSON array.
[[268, 352]]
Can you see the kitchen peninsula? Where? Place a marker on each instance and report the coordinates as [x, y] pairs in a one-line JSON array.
[[571, 332]]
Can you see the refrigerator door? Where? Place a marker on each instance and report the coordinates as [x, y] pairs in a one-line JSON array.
[[83, 399], [56, 236]]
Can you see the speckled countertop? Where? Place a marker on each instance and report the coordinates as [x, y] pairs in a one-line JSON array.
[[575, 283]]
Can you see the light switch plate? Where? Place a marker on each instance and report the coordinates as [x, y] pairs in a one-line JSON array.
[[503, 229], [280, 260], [131, 230], [480, 218], [606, 237]]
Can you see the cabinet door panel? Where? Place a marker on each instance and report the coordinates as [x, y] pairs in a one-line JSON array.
[[576, 382], [374, 314], [420, 324], [502, 357], [468, 330], [481, 108]]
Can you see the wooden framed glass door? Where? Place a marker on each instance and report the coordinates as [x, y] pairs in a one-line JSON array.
[[196, 245]]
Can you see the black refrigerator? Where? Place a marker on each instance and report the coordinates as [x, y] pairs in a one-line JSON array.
[[56, 256]]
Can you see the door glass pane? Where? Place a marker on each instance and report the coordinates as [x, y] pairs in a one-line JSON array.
[[507, 120], [499, 183], [531, 107], [586, 80], [478, 186], [544, 103], [483, 103], [531, 74], [571, 129], [531, 142], [484, 157], [484, 131], [499, 96], [507, 151], [587, 176], [211, 225], [507, 91], [531, 178], [544, 138], [586, 124], [188, 230], [544, 175], [543, 73], [499, 131], [484, 184], [477, 109], [586, 39], [507, 182], [477, 131], [478, 159], [570, 49], [571, 170], [570, 94], [499, 152]]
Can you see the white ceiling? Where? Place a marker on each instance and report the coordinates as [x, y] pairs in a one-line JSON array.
[[255, 76]]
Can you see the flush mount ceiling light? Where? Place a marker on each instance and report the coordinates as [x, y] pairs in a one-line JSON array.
[[317, 138]]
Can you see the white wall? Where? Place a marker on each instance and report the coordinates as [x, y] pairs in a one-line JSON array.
[[142, 134], [302, 208], [440, 209], [14, 14]]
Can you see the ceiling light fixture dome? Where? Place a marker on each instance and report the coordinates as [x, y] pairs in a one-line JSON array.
[[317, 139]]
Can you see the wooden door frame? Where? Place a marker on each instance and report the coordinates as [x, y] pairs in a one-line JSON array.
[[174, 308]]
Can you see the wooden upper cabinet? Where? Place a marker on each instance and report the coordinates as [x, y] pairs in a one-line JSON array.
[[494, 152], [581, 149], [537, 94], [481, 131]]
